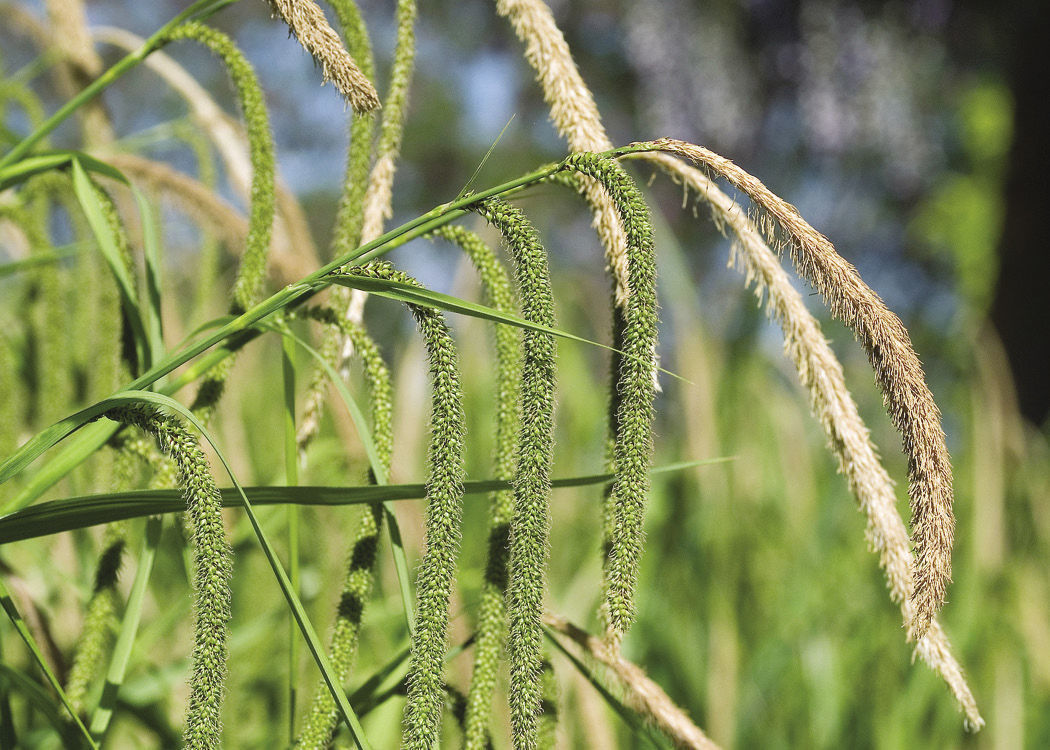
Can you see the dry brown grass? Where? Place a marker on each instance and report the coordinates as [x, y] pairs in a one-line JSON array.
[[848, 438], [898, 373], [574, 114], [641, 694], [308, 23]]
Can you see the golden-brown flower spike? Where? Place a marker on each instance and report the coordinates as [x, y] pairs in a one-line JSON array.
[[307, 21], [820, 372], [574, 114], [641, 694], [898, 373]]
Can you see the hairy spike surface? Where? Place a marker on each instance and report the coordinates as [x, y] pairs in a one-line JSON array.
[[436, 577], [49, 321], [574, 114], [848, 437], [261, 212], [213, 560], [898, 373], [346, 232], [530, 522], [492, 613], [261, 152], [307, 22], [632, 453], [99, 626], [323, 718]]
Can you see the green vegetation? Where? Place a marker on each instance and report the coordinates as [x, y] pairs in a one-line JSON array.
[[511, 548]]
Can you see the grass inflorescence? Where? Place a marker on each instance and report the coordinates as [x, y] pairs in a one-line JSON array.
[[632, 451], [213, 563], [92, 338], [435, 578], [492, 612], [530, 521], [322, 719]]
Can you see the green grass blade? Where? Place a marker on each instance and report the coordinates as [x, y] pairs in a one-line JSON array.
[[298, 612], [107, 244], [8, 735], [151, 247], [37, 697], [198, 11], [16, 619], [56, 516], [404, 579], [45, 161], [63, 428], [118, 663], [414, 295], [55, 255]]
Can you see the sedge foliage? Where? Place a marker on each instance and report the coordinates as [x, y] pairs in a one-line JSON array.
[[117, 323]]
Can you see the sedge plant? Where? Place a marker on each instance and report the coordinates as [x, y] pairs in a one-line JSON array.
[[81, 417]]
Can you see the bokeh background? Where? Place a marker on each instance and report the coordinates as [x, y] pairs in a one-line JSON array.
[[910, 133]]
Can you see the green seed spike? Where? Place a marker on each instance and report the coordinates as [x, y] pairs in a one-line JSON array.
[[12, 411], [213, 563], [426, 694], [250, 276], [261, 152], [50, 318], [346, 234], [530, 522], [491, 626], [323, 718], [632, 454]]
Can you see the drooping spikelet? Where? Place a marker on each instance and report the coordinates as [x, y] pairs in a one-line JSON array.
[[260, 142], [377, 204], [574, 114], [337, 347], [261, 212], [213, 563], [346, 232], [530, 522], [848, 438], [632, 452], [898, 373], [437, 569], [323, 717], [307, 22], [492, 613], [99, 625]]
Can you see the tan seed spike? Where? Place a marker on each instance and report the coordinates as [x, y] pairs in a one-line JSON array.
[[641, 694], [307, 21], [820, 372], [574, 114], [898, 373]]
